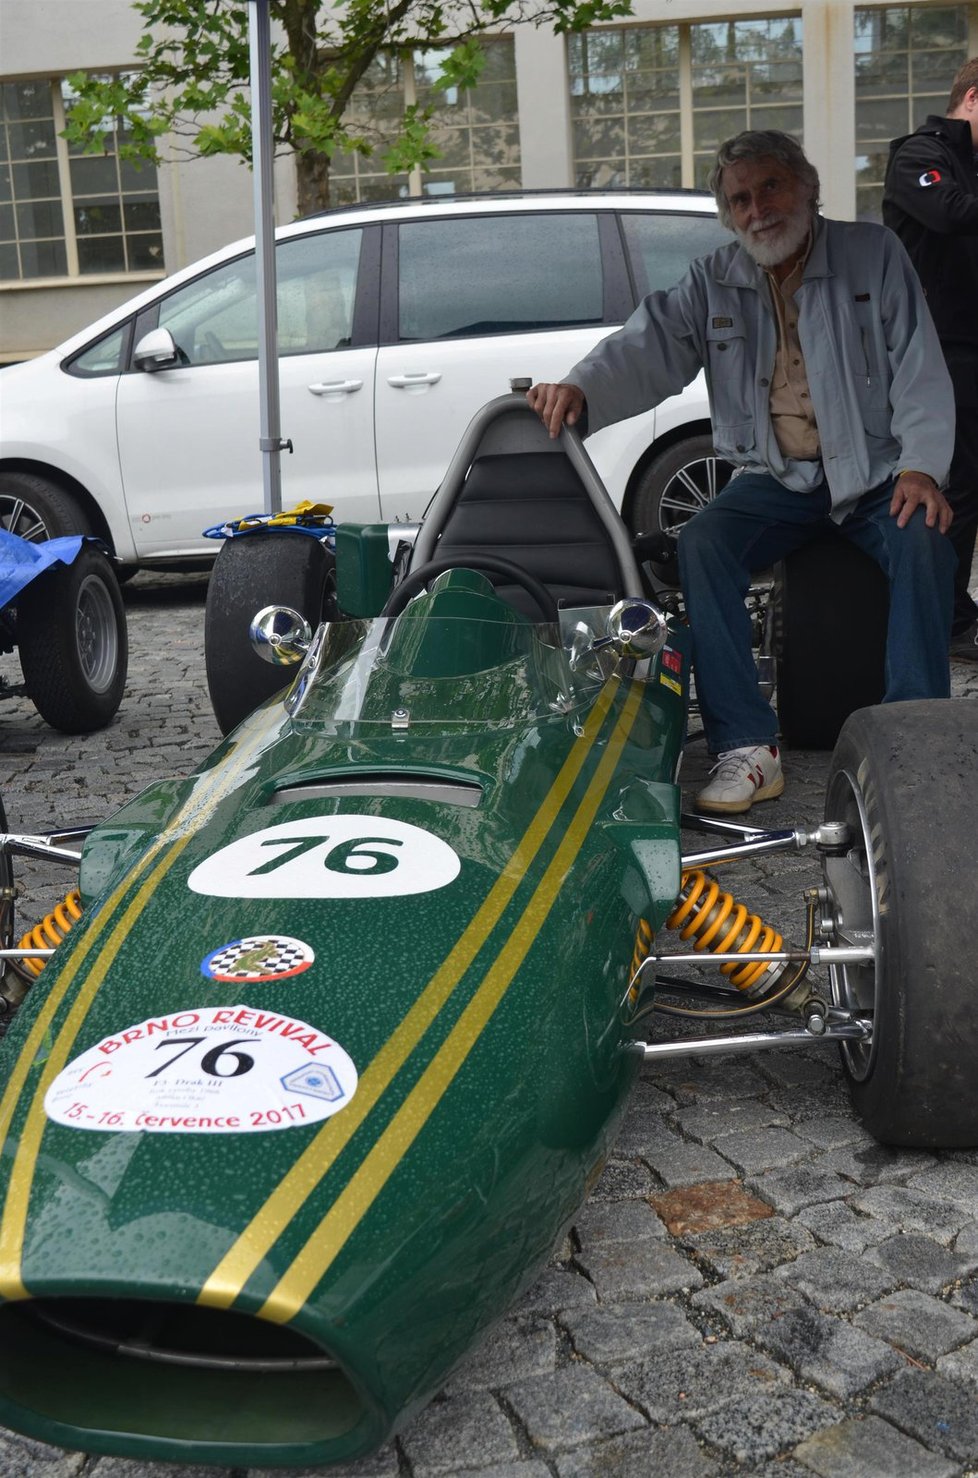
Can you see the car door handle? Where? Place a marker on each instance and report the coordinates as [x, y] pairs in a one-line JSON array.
[[414, 382], [336, 387]]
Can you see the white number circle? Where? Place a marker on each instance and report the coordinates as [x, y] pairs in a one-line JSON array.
[[329, 857]]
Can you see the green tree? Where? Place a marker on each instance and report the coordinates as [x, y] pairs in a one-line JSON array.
[[188, 91]]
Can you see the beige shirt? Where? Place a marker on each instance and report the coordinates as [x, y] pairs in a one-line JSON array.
[[792, 416]]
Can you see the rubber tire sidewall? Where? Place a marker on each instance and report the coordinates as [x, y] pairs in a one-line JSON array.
[[831, 603], [54, 675], [273, 567], [60, 513], [914, 764]]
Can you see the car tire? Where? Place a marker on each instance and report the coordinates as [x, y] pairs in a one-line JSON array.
[[36, 509], [273, 567], [902, 776], [73, 643], [676, 485], [831, 603]]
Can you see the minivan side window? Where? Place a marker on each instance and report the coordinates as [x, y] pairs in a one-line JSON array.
[[498, 274], [214, 319], [661, 247]]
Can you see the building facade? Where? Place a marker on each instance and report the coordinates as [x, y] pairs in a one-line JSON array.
[[640, 103]]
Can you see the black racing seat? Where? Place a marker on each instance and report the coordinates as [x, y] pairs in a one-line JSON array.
[[513, 492]]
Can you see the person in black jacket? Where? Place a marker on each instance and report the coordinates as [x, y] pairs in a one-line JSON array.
[[930, 200]]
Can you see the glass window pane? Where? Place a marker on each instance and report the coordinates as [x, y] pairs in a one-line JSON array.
[[39, 218], [145, 253], [32, 140], [93, 174], [96, 218], [141, 214], [26, 100], [457, 277], [8, 231], [101, 254], [35, 181], [104, 357], [43, 259], [661, 247], [9, 262]]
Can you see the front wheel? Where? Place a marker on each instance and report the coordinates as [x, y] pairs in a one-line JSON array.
[[73, 643], [902, 778], [36, 510]]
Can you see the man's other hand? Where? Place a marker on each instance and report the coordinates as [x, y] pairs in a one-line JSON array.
[[555, 404], [916, 489]]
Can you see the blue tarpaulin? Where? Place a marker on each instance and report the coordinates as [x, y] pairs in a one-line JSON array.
[[21, 562]]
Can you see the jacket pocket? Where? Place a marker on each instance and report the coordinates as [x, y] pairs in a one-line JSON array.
[[735, 441]]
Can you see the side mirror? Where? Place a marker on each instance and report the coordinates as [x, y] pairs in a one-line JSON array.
[[157, 350], [280, 636], [637, 628]]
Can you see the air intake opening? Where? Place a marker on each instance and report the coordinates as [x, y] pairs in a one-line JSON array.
[[175, 1374]]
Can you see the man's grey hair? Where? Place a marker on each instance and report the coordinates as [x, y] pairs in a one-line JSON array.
[[761, 144]]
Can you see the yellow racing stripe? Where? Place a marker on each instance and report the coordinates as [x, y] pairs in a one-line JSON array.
[[339, 1223], [229, 1277], [210, 789]]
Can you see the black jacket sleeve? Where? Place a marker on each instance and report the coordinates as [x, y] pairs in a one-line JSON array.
[[921, 181]]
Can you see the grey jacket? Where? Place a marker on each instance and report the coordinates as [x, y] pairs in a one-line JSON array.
[[880, 390]]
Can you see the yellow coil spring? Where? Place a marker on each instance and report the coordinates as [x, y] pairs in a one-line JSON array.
[[49, 933], [713, 918]]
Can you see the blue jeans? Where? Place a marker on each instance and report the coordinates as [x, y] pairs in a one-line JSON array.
[[755, 522]]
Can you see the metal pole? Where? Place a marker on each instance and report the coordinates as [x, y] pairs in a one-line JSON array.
[[270, 437]]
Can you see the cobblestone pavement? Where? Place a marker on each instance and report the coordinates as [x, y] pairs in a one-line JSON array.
[[754, 1285]]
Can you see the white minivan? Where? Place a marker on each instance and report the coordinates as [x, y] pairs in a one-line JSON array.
[[395, 323]]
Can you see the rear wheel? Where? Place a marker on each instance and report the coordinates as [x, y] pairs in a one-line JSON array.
[[902, 778], [36, 509], [73, 643], [831, 604], [677, 484], [274, 567]]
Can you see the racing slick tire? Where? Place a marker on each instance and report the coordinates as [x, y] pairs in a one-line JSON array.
[[73, 643], [831, 605], [902, 777], [35, 509], [273, 567]]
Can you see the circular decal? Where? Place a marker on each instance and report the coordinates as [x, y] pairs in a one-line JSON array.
[[261, 957], [329, 857], [207, 1070]]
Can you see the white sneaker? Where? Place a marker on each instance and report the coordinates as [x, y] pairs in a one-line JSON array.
[[741, 777]]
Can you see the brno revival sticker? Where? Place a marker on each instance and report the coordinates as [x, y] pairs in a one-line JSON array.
[[205, 1070]]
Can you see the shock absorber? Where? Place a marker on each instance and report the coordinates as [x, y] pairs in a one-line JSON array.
[[49, 933], [711, 917]]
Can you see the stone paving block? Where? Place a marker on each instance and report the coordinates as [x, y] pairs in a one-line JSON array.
[[22, 1457], [609, 1336], [762, 1426], [793, 1068], [865, 1447], [472, 1423], [953, 1181], [678, 1163], [938, 1412], [616, 1221], [965, 1294], [922, 1326], [962, 1364], [876, 1164], [665, 1454], [129, 1467], [383, 1464], [745, 1303], [763, 1149], [514, 1350], [966, 1242], [800, 1185], [828, 1352], [669, 1390], [757, 1247], [710, 1121], [708, 1206], [920, 1262], [810, 1101], [638, 1269], [837, 1281], [911, 1209], [623, 1179], [713, 1077], [556, 1289], [530, 1468], [838, 1223], [573, 1406]]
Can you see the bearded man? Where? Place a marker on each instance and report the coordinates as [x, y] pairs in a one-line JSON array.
[[829, 393]]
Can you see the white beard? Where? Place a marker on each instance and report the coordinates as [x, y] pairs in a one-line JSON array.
[[773, 247]]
